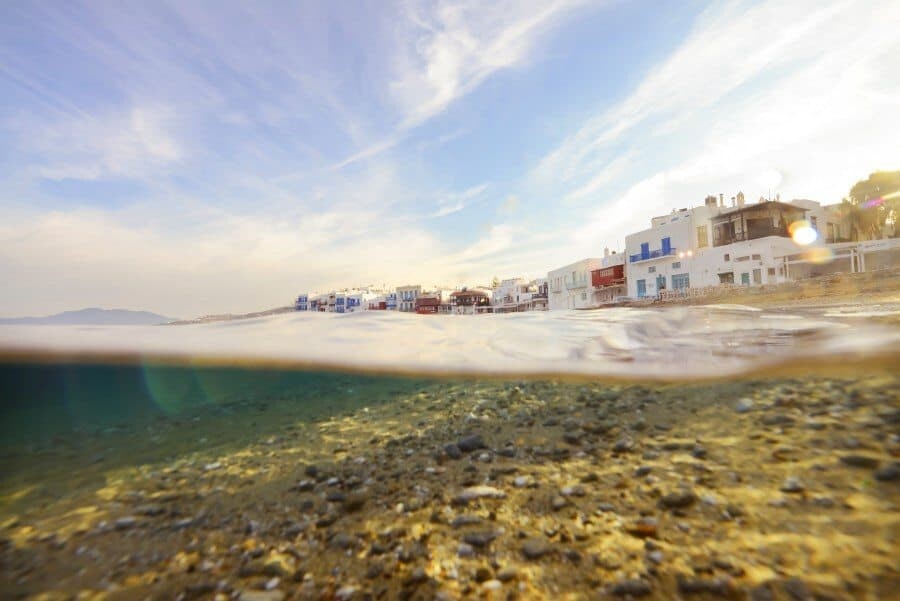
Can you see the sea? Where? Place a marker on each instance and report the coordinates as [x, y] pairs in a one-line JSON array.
[[718, 451]]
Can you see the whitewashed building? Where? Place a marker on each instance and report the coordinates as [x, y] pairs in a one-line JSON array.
[[406, 298], [711, 245], [570, 287]]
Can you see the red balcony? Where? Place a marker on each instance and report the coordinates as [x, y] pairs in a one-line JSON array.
[[608, 276]]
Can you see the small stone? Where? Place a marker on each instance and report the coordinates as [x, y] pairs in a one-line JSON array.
[[341, 540], [462, 521], [417, 576], [558, 503], [573, 491], [126, 522], [623, 445], [483, 574], [643, 528], [693, 586], [465, 550], [481, 539], [471, 443], [212, 466], [478, 492], [679, 499], [492, 585], [634, 588], [744, 405], [642, 471], [535, 548], [655, 557], [453, 451], [523, 482], [507, 574], [792, 485], [889, 473], [345, 593], [861, 461]]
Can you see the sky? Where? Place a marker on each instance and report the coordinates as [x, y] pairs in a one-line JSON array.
[[199, 157]]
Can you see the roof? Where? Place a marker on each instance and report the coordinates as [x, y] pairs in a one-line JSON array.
[[751, 207]]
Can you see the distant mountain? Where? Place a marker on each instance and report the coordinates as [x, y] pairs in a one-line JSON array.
[[92, 317]]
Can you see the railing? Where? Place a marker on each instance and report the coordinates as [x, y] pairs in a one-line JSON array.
[[655, 254], [755, 234], [582, 283]]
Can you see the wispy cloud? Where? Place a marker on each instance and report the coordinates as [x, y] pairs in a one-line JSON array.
[[452, 47], [454, 202]]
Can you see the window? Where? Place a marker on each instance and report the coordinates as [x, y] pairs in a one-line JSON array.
[[727, 257], [771, 271], [641, 288], [676, 265], [651, 269], [680, 281], [814, 222], [666, 244], [757, 276], [702, 237], [755, 257]]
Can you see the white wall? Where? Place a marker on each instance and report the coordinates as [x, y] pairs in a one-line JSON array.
[[570, 286]]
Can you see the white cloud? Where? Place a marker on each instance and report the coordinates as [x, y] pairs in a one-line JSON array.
[[132, 143], [455, 202], [449, 48]]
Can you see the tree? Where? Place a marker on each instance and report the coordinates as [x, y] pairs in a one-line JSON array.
[[495, 283], [872, 204]]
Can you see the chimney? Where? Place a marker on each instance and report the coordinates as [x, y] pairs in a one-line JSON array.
[[721, 200]]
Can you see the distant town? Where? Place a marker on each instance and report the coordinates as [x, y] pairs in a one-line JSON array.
[[691, 252]]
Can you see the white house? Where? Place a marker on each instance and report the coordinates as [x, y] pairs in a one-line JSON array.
[[712, 244], [570, 287], [406, 298], [513, 294]]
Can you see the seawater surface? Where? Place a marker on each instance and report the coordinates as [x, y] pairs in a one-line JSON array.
[[694, 453]]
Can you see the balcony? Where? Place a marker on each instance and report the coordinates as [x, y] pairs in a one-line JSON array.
[[723, 237], [655, 254], [579, 283]]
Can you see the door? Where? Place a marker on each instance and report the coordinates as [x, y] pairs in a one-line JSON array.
[[745, 279], [641, 288], [660, 283]]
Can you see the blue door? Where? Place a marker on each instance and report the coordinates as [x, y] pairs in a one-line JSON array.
[[745, 279], [660, 283], [645, 251], [666, 246], [641, 288]]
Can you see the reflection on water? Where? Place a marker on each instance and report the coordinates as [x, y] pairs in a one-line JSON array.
[[148, 479]]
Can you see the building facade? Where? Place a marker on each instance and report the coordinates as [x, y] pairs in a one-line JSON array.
[[570, 287], [406, 298]]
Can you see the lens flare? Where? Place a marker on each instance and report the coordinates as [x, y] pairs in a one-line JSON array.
[[803, 233], [818, 255]]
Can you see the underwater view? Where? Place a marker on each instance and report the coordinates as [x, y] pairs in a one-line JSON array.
[[130, 473], [439, 300]]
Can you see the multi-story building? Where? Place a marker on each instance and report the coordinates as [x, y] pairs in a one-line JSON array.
[[513, 294], [608, 282], [390, 302], [406, 298], [470, 301], [302, 303], [710, 245], [570, 287]]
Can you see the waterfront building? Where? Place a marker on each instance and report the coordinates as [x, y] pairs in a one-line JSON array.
[[390, 303], [406, 297], [302, 303], [470, 301], [570, 287], [608, 281]]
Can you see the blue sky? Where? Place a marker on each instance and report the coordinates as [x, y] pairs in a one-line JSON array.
[[193, 157]]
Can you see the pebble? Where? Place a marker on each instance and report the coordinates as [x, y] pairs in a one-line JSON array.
[[623, 445], [573, 491], [465, 550], [889, 473], [792, 485], [479, 492], [744, 406], [862, 461], [679, 499], [471, 443], [126, 522], [480, 539], [634, 588], [535, 548], [261, 596], [523, 482]]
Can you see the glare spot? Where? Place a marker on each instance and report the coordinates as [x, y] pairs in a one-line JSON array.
[[803, 233]]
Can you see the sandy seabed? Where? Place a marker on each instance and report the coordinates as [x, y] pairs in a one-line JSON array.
[[467, 489]]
